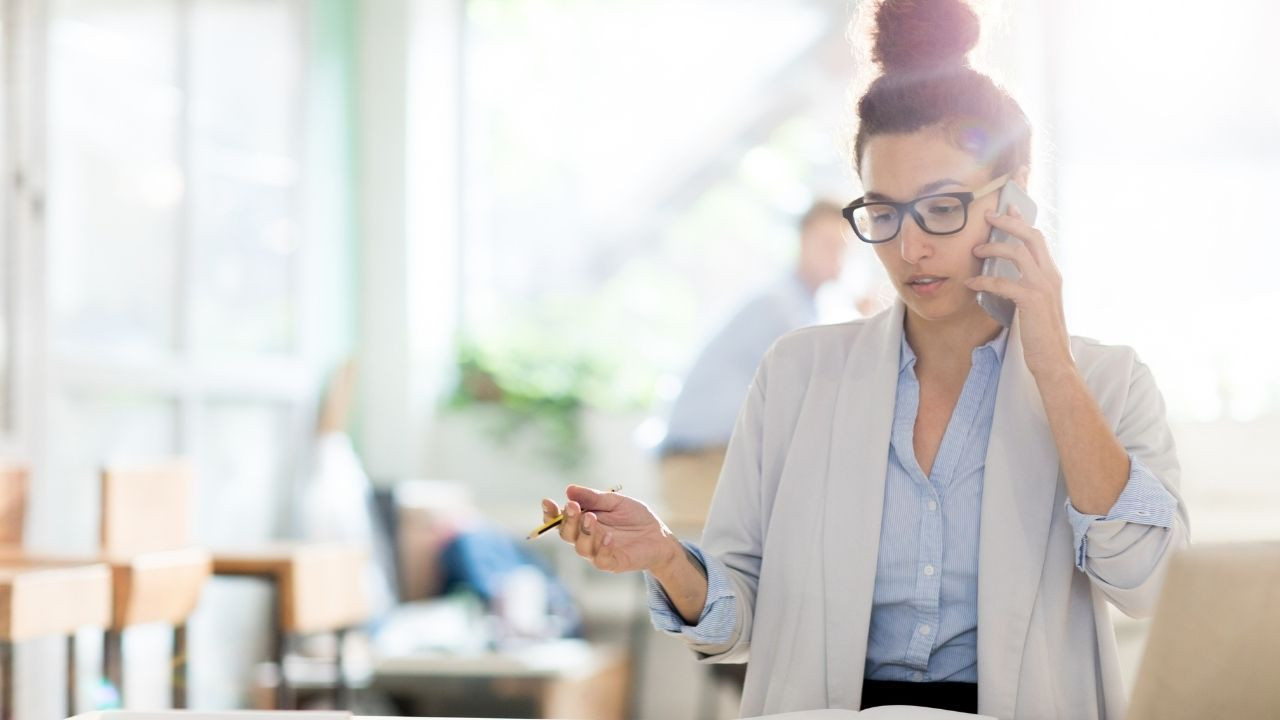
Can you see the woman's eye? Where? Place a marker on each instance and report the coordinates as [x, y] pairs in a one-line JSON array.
[[882, 218], [944, 210]]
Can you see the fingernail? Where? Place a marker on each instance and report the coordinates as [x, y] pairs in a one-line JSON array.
[[608, 538]]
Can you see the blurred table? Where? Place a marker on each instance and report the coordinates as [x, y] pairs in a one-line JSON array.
[[556, 679], [159, 586], [319, 588], [39, 598]]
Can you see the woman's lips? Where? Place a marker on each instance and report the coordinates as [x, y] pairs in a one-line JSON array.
[[926, 287]]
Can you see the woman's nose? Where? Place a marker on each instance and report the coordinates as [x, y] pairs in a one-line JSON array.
[[916, 244]]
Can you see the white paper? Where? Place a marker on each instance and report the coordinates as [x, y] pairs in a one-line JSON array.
[[228, 715], [887, 712]]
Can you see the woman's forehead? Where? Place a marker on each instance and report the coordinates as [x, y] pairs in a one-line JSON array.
[[897, 165]]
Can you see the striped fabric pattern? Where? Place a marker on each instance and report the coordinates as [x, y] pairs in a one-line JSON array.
[[1144, 500], [924, 613], [719, 613]]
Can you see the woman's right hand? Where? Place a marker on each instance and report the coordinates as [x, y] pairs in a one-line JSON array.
[[615, 532]]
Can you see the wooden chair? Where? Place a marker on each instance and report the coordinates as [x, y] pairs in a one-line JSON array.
[[319, 588], [157, 573], [40, 597], [13, 503]]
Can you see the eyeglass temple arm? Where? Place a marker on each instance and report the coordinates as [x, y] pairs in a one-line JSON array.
[[991, 187]]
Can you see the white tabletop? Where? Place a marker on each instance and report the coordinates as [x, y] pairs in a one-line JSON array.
[[892, 712]]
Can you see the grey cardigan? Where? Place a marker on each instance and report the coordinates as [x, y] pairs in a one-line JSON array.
[[796, 519]]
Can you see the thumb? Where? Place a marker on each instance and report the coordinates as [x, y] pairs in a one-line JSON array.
[[592, 500]]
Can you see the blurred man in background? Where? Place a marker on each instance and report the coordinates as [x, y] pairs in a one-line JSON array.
[[703, 414]]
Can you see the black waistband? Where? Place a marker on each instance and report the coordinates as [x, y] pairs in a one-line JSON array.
[[956, 696]]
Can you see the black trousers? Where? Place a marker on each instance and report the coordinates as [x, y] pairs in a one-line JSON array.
[[956, 696]]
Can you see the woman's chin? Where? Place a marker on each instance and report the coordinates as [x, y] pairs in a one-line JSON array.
[[939, 309]]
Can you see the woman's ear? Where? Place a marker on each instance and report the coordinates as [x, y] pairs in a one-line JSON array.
[[1021, 176]]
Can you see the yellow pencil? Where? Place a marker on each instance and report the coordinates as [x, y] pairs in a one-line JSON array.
[[553, 522]]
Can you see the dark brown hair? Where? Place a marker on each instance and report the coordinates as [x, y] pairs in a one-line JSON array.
[[922, 48]]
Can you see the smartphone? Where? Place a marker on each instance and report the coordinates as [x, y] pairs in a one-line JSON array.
[[997, 307]]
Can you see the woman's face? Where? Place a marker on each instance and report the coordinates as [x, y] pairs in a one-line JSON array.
[[929, 271]]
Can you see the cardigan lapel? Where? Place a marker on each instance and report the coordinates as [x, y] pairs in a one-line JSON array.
[[1018, 492], [855, 472]]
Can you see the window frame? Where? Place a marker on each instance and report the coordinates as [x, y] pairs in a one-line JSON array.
[[43, 373]]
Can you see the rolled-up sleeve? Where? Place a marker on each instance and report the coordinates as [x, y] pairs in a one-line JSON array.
[[719, 612], [1144, 500], [1126, 552]]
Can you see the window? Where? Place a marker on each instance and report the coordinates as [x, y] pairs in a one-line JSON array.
[[7, 253], [175, 240], [245, 160], [116, 176], [186, 276], [640, 165]]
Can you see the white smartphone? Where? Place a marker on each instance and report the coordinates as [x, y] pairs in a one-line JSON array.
[[998, 307]]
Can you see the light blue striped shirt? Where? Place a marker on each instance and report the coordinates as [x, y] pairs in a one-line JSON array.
[[924, 617]]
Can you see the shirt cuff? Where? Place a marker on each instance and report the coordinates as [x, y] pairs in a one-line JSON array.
[[719, 611], [1144, 500]]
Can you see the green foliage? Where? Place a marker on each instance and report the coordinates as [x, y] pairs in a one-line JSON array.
[[533, 397], [545, 368]]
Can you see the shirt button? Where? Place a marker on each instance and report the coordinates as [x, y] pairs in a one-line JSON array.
[[917, 676], [924, 629], [933, 505], [928, 570]]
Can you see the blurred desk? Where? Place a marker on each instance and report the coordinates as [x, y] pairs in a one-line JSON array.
[[319, 587], [48, 598], [157, 586], [558, 679]]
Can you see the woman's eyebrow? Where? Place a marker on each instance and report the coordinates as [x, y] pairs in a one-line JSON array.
[[923, 190]]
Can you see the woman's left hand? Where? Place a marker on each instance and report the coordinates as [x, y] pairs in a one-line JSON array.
[[1038, 293]]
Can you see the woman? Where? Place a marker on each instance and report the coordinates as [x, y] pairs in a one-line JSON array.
[[924, 507]]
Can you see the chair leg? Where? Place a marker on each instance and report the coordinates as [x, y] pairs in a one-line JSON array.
[[341, 693], [6, 680], [113, 660], [71, 674], [180, 666], [284, 694]]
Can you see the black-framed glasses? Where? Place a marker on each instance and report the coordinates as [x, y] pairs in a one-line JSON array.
[[879, 221]]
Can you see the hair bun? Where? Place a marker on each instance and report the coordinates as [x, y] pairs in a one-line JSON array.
[[913, 35]]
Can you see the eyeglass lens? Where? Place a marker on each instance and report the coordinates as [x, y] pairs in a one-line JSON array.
[[879, 222]]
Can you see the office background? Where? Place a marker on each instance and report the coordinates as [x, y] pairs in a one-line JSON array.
[[209, 204]]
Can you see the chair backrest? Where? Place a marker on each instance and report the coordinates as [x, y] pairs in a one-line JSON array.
[[13, 502], [1214, 648], [146, 507]]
